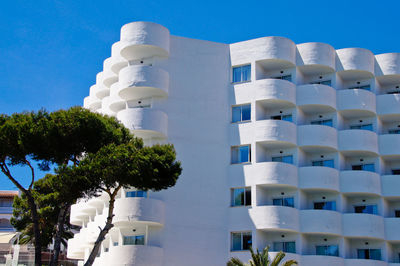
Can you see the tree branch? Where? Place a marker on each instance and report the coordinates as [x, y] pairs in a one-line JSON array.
[[33, 173], [4, 168]]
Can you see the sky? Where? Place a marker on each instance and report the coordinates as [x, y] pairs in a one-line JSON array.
[[51, 51]]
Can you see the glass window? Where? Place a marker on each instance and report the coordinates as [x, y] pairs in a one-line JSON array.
[[326, 205], [240, 154], [324, 82], [136, 194], [241, 241], [241, 196], [364, 167], [326, 163], [285, 77], [394, 131], [395, 171], [327, 122], [329, 250], [364, 127], [283, 159], [282, 117], [371, 209], [134, 240], [241, 73], [289, 247], [397, 213], [241, 113], [364, 87], [369, 254], [288, 202]]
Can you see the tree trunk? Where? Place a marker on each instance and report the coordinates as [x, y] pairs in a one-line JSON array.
[[103, 231], [59, 233], [36, 230]]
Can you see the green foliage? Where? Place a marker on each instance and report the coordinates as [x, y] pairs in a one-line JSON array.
[[132, 165], [50, 193], [262, 259]]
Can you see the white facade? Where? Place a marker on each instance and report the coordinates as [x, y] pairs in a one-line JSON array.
[[312, 133]]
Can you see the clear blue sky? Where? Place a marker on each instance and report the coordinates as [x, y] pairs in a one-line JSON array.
[[51, 51]]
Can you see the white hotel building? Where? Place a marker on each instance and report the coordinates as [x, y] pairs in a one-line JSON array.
[[295, 146]]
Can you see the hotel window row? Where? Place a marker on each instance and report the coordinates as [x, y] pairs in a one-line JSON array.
[[242, 74]]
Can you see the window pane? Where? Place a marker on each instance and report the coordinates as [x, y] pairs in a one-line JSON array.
[[237, 74], [246, 112], [236, 116], [244, 154], [320, 250], [141, 193], [356, 167], [291, 247], [319, 205], [317, 163], [287, 159], [367, 127], [277, 202], [235, 155], [139, 240], [277, 159], [359, 209], [361, 253], [328, 122], [289, 202], [395, 171], [394, 131], [330, 205], [278, 246], [287, 77], [332, 251], [326, 82], [130, 194], [276, 117], [329, 163], [248, 197], [369, 167], [375, 254], [247, 241], [371, 209], [246, 73], [287, 118], [236, 241], [238, 196], [355, 127]]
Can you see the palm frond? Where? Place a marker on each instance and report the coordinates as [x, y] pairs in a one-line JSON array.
[[235, 262], [278, 258], [290, 262]]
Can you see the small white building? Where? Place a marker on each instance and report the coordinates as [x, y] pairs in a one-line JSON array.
[[295, 146]]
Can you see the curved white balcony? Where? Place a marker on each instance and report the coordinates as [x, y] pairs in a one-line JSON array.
[[321, 222], [92, 102], [105, 107], [98, 202], [74, 250], [358, 141], [360, 182], [116, 103], [109, 77], [389, 145], [362, 262], [144, 40], [363, 225], [316, 58], [276, 132], [317, 137], [355, 63], [390, 185], [321, 260], [388, 107], [316, 98], [318, 178], [356, 103], [118, 62], [145, 122], [138, 255], [275, 218], [392, 232], [387, 64], [139, 81], [77, 214], [101, 91], [275, 90], [271, 174], [130, 211]]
